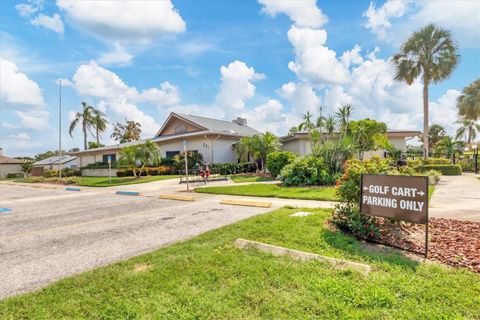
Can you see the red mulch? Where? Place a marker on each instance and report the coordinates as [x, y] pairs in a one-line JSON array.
[[452, 242]]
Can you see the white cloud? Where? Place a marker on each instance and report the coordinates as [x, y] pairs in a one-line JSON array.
[[315, 62], [303, 13], [118, 57], [352, 56], [301, 96], [35, 119], [269, 116], [124, 21], [378, 19], [96, 81], [236, 86], [16, 87], [65, 82], [53, 23], [459, 16], [444, 110], [29, 8], [22, 141]]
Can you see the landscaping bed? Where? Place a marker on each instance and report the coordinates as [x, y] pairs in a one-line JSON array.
[[95, 181], [251, 177], [207, 277], [274, 191]]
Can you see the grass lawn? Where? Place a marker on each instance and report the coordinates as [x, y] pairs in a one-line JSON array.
[[105, 181], [208, 278], [248, 178], [430, 192], [274, 190]]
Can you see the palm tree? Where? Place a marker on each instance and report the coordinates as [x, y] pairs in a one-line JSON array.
[[468, 103], [99, 123], [330, 124], [307, 122], [448, 146], [435, 133], [128, 158], [258, 147], [147, 154], [86, 119], [430, 54], [469, 129], [343, 115]]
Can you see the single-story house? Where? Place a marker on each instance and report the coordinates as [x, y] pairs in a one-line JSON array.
[[212, 138], [51, 163], [300, 143], [9, 165]]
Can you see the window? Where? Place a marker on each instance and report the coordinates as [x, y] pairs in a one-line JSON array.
[[113, 156], [180, 128], [171, 154]]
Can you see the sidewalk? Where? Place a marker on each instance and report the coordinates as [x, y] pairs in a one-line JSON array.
[[457, 197]]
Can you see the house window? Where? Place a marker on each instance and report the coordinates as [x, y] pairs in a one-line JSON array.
[[180, 128], [171, 154], [113, 156]]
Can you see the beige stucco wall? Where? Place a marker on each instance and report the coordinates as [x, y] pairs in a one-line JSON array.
[[93, 157], [9, 168], [170, 128]]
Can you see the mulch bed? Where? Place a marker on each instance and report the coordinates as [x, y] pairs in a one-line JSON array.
[[452, 242]]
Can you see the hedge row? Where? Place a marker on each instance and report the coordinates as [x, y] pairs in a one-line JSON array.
[[232, 168], [151, 171], [446, 170], [15, 175]]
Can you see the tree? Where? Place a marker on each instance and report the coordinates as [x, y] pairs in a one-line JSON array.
[[430, 54], [307, 122], [47, 154], [128, 158], [468, 130], [367, 134], [343, 115], [85, 119], [27, 167], [468, 103], [293, 129], [258, 147], [435, 133], [330, 125], [99, 123], [448, 146], [130, 131], [147, 154], [94, 145]]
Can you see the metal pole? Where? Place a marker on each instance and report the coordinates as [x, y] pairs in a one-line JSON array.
[[60, 128], [186, 162], [426, 225], [475, 156]]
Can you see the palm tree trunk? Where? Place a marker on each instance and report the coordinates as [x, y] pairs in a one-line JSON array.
[[425, 117], [470, 136], [98, 139], [84, 138]]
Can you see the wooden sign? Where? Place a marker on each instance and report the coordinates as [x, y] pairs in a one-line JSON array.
[[398, 197]]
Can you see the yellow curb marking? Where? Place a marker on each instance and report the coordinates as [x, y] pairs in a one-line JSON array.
[[246, 203], [176, 197]]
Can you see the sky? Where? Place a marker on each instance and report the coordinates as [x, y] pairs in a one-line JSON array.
[[269, 61]]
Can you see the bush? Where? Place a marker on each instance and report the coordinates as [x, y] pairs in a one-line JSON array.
[[15, 175], [437, 161], [151, 171], [433, 176], [50, 173], [67, 172], [307, 170], [100, 165], [447, 170], [277, 160], [466, 164], [232, 168]]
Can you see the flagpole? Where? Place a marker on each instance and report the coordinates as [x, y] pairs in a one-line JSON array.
[[60, 128]]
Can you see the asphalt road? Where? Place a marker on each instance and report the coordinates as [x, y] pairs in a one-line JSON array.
[[52, 233]]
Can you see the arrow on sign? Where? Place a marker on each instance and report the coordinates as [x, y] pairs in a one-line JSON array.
[[421, 193], [365, 188]]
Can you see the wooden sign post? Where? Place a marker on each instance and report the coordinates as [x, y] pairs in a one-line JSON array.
[[397, 197]]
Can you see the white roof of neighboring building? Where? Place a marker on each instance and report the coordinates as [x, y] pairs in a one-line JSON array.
[[390, 133], [54, 160], [8, 160]]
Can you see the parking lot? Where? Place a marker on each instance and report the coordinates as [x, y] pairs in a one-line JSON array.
[[53, 233]]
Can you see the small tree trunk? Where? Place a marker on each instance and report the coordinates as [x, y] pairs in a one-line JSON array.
[[98, 139], [84, 138], [470, 135], [425, 117]]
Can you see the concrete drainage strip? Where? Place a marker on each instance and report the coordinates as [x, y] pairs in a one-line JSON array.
[[303, 256]]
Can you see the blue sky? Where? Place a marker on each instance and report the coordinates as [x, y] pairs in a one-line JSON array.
[[269, 61]]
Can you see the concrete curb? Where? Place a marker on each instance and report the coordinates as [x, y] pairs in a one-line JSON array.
[[247, 203], [303, 256], [176, 197]]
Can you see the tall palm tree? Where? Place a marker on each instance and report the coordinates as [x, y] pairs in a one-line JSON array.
[[307, 122], [431, 54], [85, 118], [468, 103], [99, 124], [469, 129], [343, 115]]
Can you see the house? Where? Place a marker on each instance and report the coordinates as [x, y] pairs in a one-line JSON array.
[[212, 138], [51, 163], [9, 165], [300, 143]]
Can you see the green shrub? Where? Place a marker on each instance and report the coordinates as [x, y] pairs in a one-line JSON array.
[[50, 173], [466, 164], [433, 176], [15, 175], [232, 168], [277, 160], [447, 170], [67, 172], [307, 170], [101, 165], [151, 171], [437, 161]]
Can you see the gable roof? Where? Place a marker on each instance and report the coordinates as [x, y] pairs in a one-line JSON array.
[[54, 160], [213, 125], [390, 133], [8, 160]]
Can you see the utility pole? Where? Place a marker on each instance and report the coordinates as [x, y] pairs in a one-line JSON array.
[[60, 128]]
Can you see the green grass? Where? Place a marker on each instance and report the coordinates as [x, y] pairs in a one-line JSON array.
[[208, 278], [431, 189], [105, 181], [247, 178], [274, 190]]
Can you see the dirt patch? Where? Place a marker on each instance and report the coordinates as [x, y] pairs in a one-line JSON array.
[[142, 267]]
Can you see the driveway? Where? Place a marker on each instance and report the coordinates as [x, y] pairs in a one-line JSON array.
[[52, 233], [457, 197]]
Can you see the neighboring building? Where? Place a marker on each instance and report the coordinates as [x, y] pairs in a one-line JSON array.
[[9, 165], [213, 138], [51, 163], [301, 144]]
